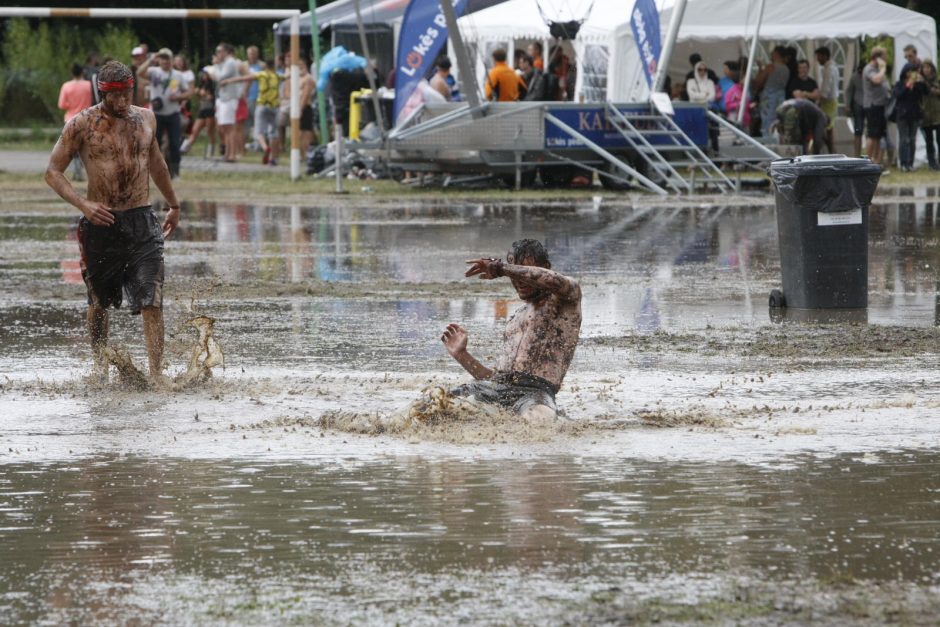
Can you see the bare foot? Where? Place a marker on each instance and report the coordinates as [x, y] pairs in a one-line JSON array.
[[159, 382], [100, 375], [539, 416]]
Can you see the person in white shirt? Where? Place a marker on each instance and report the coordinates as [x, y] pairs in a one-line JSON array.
[[168, 89], [828, 92]]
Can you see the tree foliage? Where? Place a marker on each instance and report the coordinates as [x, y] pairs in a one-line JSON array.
[[37, 59]]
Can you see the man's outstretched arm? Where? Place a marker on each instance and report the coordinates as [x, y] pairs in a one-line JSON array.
[[542, 278], [455, 341]]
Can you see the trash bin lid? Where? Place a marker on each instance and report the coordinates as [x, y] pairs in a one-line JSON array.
[[823, 165]]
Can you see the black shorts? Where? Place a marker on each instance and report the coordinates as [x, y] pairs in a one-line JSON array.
[[126, 256], [876, 122], [858, 120], [206, 112], [516, 391], [306, 118]]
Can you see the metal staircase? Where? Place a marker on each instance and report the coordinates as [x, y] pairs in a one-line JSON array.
[[672, 159]]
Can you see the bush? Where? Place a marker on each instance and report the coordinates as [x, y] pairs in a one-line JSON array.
[[37, 61]]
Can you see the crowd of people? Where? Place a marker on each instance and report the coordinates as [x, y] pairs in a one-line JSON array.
[[246, 102], [238, 103], [527, 79], [788, 103]]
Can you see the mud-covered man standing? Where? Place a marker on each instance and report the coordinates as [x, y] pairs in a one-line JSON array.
[[120, 237], [539, 340]]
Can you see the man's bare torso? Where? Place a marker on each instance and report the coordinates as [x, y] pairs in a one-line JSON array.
[[116, 154], [541, 337]]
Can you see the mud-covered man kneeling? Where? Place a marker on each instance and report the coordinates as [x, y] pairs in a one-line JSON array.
[[539, 340], [120, 238]]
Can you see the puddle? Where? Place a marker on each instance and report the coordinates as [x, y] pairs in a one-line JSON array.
[[415, 541], [719, 461]]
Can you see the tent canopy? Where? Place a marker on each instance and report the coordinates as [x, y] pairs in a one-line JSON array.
[[373, 12], [716, 28]]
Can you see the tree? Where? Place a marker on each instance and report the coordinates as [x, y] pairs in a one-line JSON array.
[[37, 60]]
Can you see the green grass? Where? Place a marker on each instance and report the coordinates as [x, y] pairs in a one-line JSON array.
[[276, 184]]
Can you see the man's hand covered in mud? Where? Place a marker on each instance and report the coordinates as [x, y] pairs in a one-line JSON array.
[[455, 339], [172, 221], [488, 268]]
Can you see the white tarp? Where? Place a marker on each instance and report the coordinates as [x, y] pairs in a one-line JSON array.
[[718, 29]]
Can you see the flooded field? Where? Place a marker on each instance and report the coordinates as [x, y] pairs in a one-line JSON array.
[[711, 463]]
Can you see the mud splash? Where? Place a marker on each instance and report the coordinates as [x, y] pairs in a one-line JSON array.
[[205, 353], [436, 416]]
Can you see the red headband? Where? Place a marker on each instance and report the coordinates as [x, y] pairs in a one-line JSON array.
[[115, 85]]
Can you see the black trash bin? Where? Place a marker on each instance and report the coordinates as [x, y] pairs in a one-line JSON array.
[[822, 226]]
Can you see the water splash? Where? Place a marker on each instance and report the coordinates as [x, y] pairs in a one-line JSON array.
[[205, 354]]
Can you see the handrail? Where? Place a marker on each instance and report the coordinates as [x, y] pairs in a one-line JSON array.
[[742, 135]]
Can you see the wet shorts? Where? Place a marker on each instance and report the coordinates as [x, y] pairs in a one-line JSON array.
[[225, 112], [876, 122], [513, 390], [126, 256], [306, 118]]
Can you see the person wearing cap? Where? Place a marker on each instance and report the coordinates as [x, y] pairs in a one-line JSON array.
[[121, 239], [139, 55], [168, 89]]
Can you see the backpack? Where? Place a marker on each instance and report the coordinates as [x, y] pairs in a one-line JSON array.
[[536, 88]]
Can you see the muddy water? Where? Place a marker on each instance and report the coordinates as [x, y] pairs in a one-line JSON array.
[[414, 541], [719, 464]]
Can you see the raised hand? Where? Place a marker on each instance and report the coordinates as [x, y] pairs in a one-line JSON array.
[[455, 339], [486, 268]]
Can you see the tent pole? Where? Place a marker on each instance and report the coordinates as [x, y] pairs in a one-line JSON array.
[[750, 62], [662, 66], [369, 73], [467, 75], [321, 99], [294, 98]]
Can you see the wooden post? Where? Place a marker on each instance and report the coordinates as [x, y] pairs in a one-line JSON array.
[[295, 98]]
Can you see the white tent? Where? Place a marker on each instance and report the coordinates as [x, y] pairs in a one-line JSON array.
[[608, 64]]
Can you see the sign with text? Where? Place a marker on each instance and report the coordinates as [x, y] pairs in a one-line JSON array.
[[594, 124], [423, 34], [644, 20]]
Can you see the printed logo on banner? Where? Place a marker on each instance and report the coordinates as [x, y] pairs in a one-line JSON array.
[[644, 20], [423, 34], [593, 123]]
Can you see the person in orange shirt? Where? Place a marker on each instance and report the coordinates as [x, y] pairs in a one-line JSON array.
[[535, 51], [74, 97], [502, 83]]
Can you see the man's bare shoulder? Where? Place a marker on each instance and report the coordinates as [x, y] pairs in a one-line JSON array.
[[142, 113], [75, 130], [84, 118]]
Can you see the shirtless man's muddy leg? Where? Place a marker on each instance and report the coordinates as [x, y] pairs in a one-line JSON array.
[[539, 415], [98, 322], [153, 336]]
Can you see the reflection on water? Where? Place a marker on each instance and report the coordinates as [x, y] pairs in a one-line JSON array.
[[70, 532], [387, 278], [653, 266]]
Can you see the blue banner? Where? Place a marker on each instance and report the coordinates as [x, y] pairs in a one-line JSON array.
[[423, 34], [593, 123], [645, 24]]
